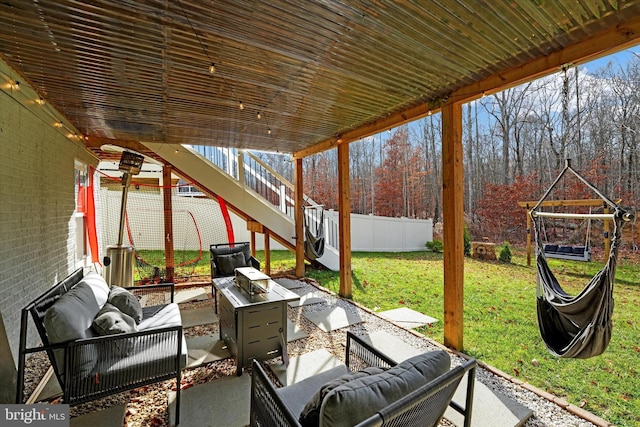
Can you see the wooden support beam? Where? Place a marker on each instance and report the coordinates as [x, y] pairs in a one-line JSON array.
[[344, 220], [267, 252], [168, 223], [453, 212], [572, 202], [255, 226], [566, 215], [607, 42], [298, 216]]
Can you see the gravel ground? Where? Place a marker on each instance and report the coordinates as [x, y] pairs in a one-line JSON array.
[[147, 406]]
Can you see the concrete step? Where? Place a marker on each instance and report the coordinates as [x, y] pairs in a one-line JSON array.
[[333, 318], [404, 316], [110, 417], [198, 316], [490, 409], [222, 402]]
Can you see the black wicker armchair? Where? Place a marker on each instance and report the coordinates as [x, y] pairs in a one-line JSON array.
[[359, 394], [225, 258]]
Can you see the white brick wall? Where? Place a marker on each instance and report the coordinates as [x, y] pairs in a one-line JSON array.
[[37, 230]]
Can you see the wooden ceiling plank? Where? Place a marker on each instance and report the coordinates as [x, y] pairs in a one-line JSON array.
[[609, 41], [318, 71]]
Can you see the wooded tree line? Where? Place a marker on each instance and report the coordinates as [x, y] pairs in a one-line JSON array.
[[515, 144]]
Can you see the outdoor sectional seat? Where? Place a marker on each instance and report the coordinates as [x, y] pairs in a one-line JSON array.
[[102, 341], [371, 389]]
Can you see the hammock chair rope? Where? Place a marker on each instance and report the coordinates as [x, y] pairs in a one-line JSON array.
[[576, 326]]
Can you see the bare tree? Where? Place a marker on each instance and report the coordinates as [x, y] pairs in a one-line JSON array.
[[507, 109]]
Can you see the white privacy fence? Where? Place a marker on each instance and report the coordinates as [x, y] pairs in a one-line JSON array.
[[371, 233]]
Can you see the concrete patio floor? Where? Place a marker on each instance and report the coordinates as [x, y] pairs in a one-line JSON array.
[[316, 343]]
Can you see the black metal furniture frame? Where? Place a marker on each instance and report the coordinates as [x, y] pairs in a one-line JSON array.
[[151, 368], [422, 407]]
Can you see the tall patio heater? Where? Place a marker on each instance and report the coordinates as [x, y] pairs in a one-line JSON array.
[[119, 261]]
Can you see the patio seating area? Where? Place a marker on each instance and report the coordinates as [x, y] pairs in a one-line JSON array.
[[213, 395]]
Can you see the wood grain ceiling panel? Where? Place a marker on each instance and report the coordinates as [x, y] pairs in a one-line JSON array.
[[315, 70]]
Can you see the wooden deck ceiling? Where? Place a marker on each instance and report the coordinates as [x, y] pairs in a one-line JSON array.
[[315, 72]]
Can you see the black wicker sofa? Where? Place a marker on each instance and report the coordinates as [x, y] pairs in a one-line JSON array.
[[103, 340]]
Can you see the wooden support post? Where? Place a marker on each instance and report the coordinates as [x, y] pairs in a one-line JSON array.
[[254, 227], [267, 252], [298, 217], [252, 243], [168, 223], [344, 220], [453, 233]]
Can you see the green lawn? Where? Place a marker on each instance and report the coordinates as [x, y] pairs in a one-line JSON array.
[[500, 320]]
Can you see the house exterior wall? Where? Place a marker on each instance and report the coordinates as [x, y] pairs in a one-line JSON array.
[[37, 203]]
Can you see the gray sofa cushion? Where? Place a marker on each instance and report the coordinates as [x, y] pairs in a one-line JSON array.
[[297, 395], [70, 319], [229, 262], [360, 398], [160, 316], [98, 285], [126, 302], [71, 316], [310, 415], [236, 261], [109, 321]]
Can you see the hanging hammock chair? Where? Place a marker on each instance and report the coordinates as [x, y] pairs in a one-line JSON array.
[[314, 241], [576, 326]]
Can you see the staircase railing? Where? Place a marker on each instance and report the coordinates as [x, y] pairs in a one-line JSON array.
[[256, 175], [268, 183]]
